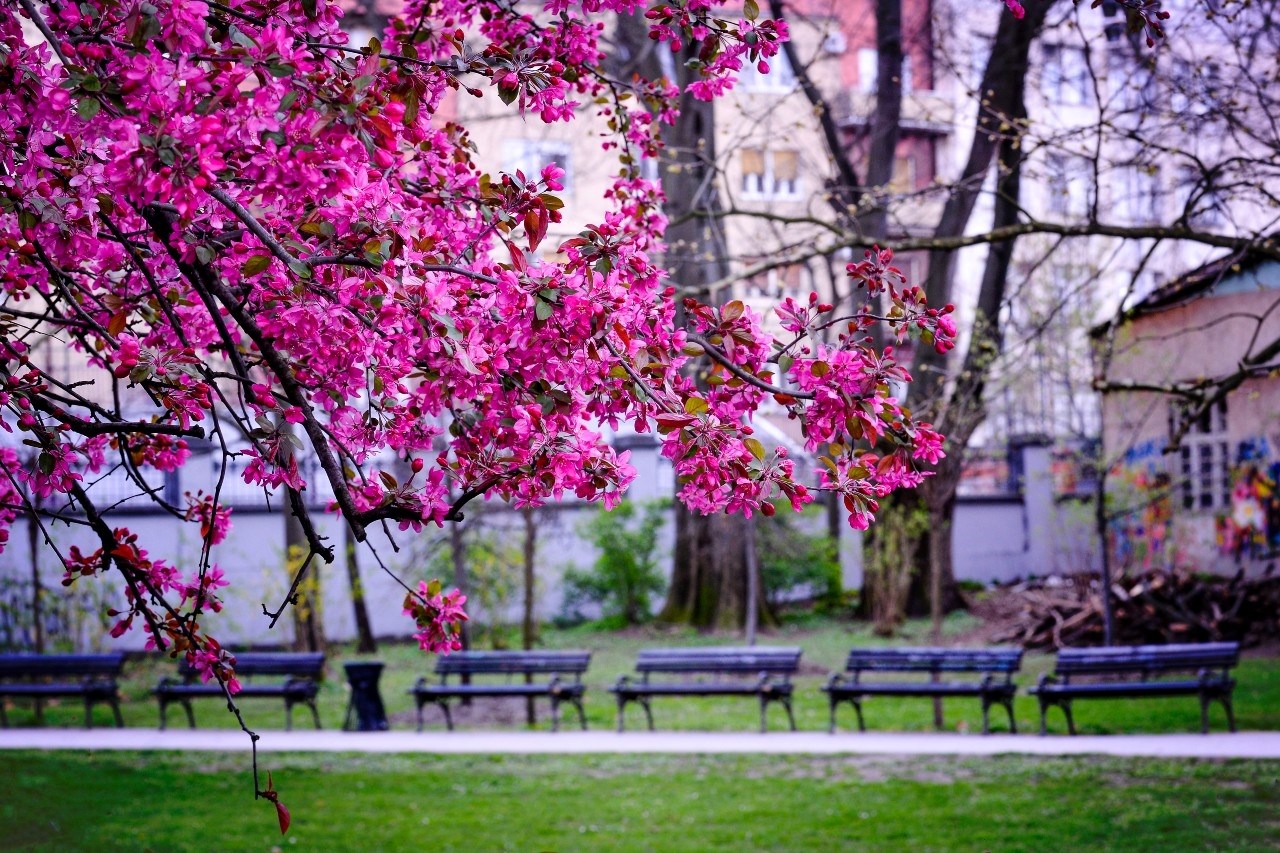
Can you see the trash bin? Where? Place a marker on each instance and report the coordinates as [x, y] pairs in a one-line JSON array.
[[365, 712]]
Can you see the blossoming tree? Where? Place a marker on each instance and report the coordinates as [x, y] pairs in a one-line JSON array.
[[252, 231]]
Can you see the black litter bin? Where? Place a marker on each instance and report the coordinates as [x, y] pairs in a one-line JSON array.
[[365, 709]]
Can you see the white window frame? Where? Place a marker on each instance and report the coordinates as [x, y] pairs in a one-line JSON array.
[[1145, 195], [781, 79], [532, 155], [1069, 192], [1203, 463], [869, 71], [762, 185], [1064, 75]]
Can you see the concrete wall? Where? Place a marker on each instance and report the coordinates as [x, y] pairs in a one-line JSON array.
[[995, 539]]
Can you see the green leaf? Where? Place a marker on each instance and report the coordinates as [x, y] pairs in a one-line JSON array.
[[543, 310], [88, 108], [756, 448], [255, 265], [750, 10], [696, 406]]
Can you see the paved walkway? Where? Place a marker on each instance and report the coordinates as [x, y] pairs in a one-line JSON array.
[[1242, 745]]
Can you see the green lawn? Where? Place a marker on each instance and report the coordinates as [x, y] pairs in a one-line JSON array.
[[825, 643], [115, 801]]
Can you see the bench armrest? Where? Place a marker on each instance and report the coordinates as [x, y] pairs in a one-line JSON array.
[[1046, 679], [622, 682], [838, 679]]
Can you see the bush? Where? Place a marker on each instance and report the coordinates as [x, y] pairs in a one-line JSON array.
[[625, 577], [792, 558]]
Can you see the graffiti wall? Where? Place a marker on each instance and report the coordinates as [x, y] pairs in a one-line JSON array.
[[1140, 498], [1153, 526], [1250, 529]]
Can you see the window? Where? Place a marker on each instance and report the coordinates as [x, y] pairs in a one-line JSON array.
[[1143, 193], [1195, 87], [869, 71], [1132, 82], [1204, 464], [904, 174], [531, 155], [780, 78], [1065, 75], [1069, 193], [770, 173]]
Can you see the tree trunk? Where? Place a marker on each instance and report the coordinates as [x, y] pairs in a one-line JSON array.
[[458, 554], [710, 587], [308, 625], [37, 591], [365, 642], [709, 579], [529, 632]]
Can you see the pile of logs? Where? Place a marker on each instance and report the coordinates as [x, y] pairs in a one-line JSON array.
[[1156, 607]]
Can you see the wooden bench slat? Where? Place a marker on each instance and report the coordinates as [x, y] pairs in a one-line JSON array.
[[1116, 672], [300, 674], [37, 676], [765, 672], [465, 665], [997, 665]]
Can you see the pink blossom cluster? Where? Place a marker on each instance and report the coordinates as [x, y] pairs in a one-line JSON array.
[[438, 615], [230, 206]]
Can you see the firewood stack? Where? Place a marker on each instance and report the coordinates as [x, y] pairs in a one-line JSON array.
[[1156, 607]]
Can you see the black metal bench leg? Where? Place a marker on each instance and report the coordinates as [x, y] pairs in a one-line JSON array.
[[831, 701], [1071, 723], [555, 713], [4, 715], [115, 710], [420, 704], [857, 706], [582, 714], [764, 713], [315, 713], [191, 714], [1231, 714], [1044, 712], [88, 713], [622, 711], [786, 703], [1013, 724], [288, 717], [986, 715], [448, 715], [1204, 713], [648, 712]]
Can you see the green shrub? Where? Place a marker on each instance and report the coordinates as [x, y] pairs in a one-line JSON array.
[[625, 577], [791, 557]]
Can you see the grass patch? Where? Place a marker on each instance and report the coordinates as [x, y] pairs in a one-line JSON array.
[[825, 643], [115, 801]]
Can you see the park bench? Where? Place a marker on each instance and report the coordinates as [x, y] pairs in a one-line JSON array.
[[1127, 672], [996, 686], [762, 671], [564, 685], [301, 673], [40, 677]]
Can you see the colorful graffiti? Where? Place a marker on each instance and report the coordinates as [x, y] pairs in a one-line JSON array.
[[1140, 538], [1251, 529]]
